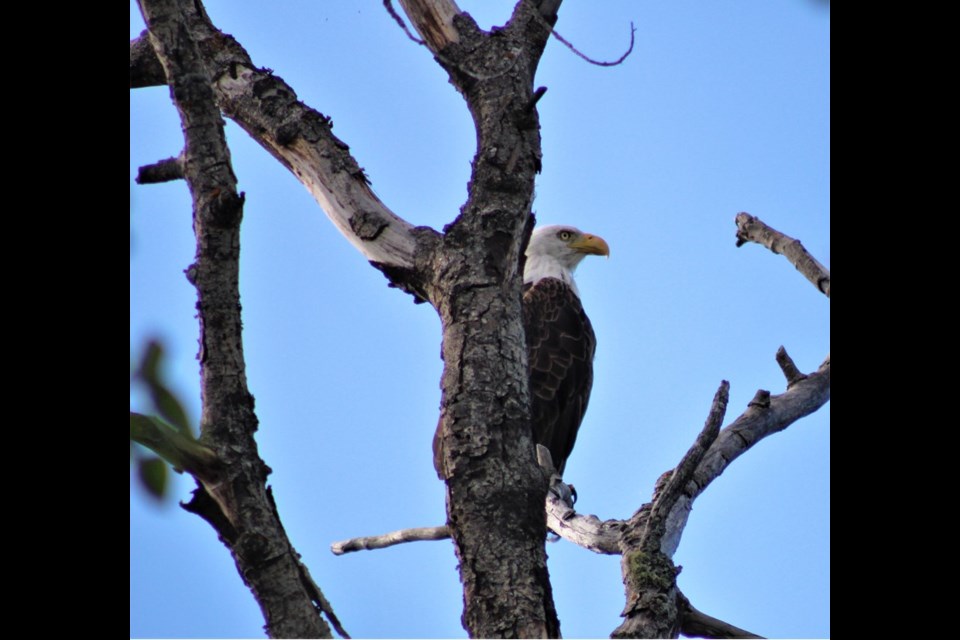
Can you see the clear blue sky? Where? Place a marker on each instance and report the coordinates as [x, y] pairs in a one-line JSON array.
[[722, 107]]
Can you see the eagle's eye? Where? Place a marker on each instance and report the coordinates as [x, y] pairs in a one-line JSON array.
[[564, 235]]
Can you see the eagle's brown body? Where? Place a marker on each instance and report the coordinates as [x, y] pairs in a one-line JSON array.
[[560, 339], [560, 347]]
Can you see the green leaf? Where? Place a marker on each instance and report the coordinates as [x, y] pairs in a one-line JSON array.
[[169, 407], [140, 425], [166, 403], [153, 476], [150, 362], [182, 451]]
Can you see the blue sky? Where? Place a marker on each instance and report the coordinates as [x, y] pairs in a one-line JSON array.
[[722, 107]]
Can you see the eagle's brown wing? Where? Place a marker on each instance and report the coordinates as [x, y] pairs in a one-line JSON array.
[[560, 348]]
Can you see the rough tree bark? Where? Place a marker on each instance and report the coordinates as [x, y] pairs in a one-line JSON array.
[[231, 478], [471, 274], [655, 606], [494, 488]]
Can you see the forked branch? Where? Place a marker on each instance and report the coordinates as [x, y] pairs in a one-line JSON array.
[[655, 527], [299, 137]]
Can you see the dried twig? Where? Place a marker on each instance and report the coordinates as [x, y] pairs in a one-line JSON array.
[[161, 171], [788, 367], [389, 539], [599, 63], [587, 531], [388, 5], [752, 229]]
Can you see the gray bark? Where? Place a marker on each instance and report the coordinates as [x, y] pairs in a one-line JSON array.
[[495, 490], [471, 274], [653, 600], [231, 489], [751, 229]]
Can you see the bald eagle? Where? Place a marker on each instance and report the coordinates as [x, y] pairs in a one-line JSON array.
[[560, 338]]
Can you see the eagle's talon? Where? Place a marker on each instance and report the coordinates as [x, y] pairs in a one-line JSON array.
[[563, 491]]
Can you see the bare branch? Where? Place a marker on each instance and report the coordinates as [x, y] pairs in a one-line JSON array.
[[388, 4], [766, 414], [433, 20], [447, 62], [653, 602], [302, 140], [789, 369], [758, 422], [599, 63], [586, 531], [760, 399], [322, 603], [650, 537], [382, 541], [671, 490], [752, 229], [145, 67], [589, 532], [236, 502], [648, 572], [162, 171], [535, 98], [696, 624], [548, 9]]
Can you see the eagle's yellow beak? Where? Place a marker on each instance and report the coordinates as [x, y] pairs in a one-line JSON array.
[[591, 244]]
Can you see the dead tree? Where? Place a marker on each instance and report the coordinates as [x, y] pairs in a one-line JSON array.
[[470, 273]]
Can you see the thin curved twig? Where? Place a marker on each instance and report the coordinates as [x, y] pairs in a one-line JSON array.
[[388, 5], [599, 63]]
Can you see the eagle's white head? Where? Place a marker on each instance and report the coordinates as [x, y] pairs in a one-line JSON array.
[[556, 250]]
